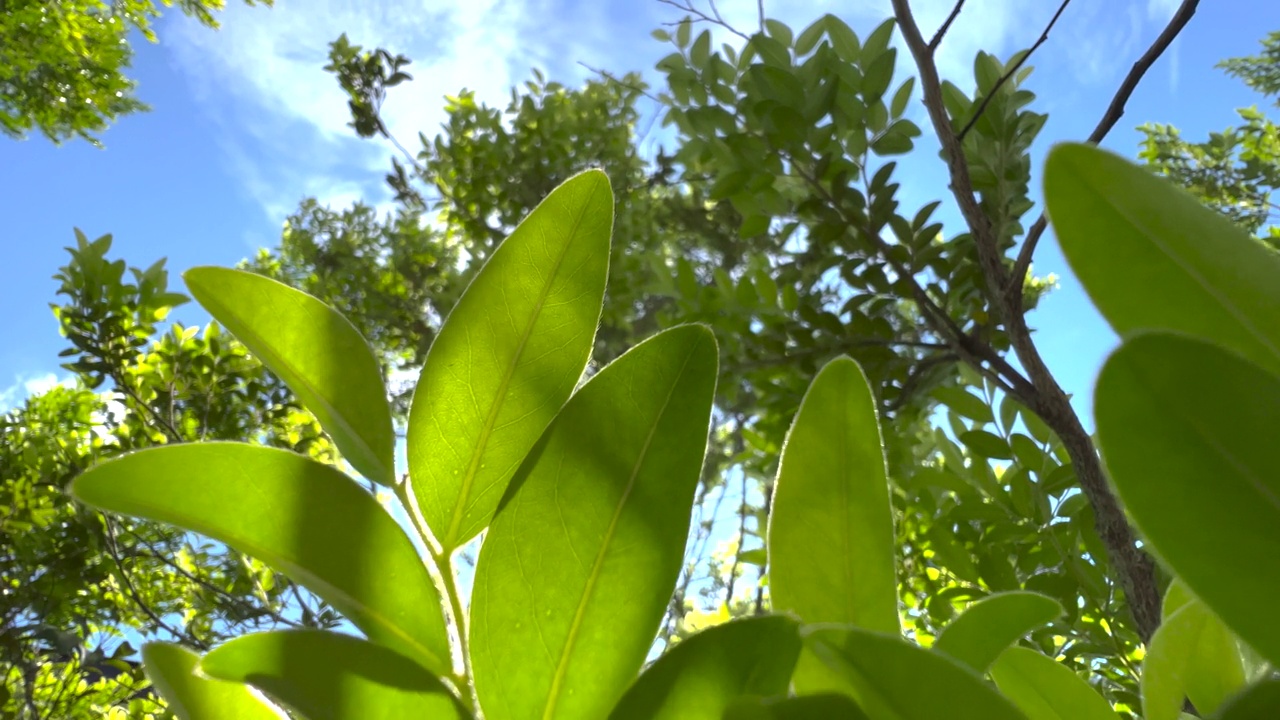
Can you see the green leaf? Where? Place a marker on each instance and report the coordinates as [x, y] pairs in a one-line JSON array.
[[1151, 257], [778, 30], [878, 76], [327, 676], [877, 42], [316, 351], [992, 624], [900, 98], [896, 680], [494, 380], [965, 403], [580, 562], [1258, 702], [1047, 690], [987, 445], [703, 675], [172, 669], [304, 518], [843, 39], [823, 706], [683, 32], [810, 37], [1173, 412], [832, 493], [1192, 655]]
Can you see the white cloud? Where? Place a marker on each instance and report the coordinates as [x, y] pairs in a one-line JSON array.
[[284, 119], [25, 387]]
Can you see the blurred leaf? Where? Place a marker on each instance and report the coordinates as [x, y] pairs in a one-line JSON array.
[[172, 668], [1192, 655], [992, 624], [1047, 690], [1171, 412]]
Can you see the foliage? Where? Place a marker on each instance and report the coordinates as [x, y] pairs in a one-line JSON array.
[[62, 63], [582, 553], [1235, 171], [80, 587]]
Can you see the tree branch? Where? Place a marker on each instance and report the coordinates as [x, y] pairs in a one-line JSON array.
[[946, 25], [1113, 114], [1135, 569], [1010, 72]]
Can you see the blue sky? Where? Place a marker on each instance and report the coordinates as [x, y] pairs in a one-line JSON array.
[[246, 123]]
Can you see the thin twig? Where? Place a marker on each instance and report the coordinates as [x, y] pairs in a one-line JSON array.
[[614, 79], [946, 25], [700, 16], [1113, 114], [986, 100]]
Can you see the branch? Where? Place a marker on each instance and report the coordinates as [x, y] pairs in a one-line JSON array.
[[946, 25], [1010, 72], [714, 18], [1113, 114]]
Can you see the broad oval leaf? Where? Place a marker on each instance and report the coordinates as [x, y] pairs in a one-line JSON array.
[[1187, 430], [832, 493], [328, 676], [701, 677], [1151, 257], [302, 517], [1257, 702], [1192, 655], [508, 356], [172, 669], [988, 627], [1047, 690], [576, 571], [316, 351], [896, 680]]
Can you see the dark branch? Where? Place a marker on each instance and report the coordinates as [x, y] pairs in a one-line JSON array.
[[946, 25], [1010, 72], [1113, 114]]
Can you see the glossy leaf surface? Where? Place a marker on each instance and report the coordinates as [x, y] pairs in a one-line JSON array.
[[172, 669], [991, 625], [832, 493], [703, 675], [508, 356], [1192, 655], [316, 351], [893, 679], [304, 518], [1045, 689], [328, 676], [1187, 431], [579, 564], [1153, 258]]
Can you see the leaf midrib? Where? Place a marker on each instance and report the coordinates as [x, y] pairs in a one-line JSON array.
[[562, 667], [450, 539]]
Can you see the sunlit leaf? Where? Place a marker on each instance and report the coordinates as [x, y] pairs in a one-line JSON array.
[[897, 680], [1192, 655], [703, 675], [316, 351], [302, 517], [991, 625], [327, 676], [1187, 431], [507, 358], [1152, 257], [832, 493], [172, 669], [580, 562], [1045, 689]]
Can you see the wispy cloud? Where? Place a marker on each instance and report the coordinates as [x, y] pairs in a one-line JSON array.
[[25, 387]]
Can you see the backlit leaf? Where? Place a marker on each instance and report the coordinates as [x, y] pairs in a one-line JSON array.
[[507, 358], [316, 351], [1192, 655], [576, 571], [172, 669], [992, 624], [302, 517]]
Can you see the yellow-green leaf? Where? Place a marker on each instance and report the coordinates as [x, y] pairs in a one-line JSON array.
[[191, 696]]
